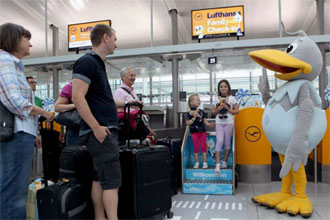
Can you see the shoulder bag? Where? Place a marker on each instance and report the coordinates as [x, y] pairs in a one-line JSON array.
[[71, 118], [6, 124]]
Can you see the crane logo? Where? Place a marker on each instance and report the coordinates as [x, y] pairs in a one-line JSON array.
[[252, 134], [73, 30], [198, 16]]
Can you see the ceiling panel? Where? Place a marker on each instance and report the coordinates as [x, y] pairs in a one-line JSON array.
[[131, 18]]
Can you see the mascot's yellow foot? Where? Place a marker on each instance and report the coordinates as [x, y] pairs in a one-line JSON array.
[[271, 199], [296, 205]]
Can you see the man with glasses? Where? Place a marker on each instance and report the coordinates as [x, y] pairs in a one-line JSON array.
[[38, 166], [33, 85]]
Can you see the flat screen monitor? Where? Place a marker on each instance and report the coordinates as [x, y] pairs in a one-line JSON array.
[[183, 96], [233, 92], [79, 35], [217, 22]]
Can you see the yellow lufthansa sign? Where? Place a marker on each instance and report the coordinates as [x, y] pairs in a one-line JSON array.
[[79, 34], [217, 22]]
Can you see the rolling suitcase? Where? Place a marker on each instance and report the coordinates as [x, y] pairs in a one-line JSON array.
[[67, 199], [174, 146], [76, 163], [146, 182], [63, 200]]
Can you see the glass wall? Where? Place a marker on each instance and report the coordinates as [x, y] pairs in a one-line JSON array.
[[195, 75]]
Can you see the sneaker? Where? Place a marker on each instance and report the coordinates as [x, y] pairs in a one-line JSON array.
[[217, 168], [196, 166], [224, 164], [205, 166]]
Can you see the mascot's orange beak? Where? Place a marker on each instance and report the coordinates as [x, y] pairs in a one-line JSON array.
[[280, 62]]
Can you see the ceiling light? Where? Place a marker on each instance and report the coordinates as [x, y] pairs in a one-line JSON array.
[[78, 4]]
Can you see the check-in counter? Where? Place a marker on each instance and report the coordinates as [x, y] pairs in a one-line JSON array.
[[253, 150], [157, 116]]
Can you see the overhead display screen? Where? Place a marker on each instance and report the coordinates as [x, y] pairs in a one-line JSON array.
[[79, 34], [217, 22]]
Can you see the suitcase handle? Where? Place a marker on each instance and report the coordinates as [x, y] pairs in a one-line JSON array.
[[128, 106]]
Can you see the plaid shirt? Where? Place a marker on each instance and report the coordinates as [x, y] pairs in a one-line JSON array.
[[16, 94]]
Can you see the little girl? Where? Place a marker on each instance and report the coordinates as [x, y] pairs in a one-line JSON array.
[[224, 125], [196, 119]]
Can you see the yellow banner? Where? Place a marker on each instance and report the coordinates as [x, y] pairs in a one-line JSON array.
[[79, 34], [217, 22]]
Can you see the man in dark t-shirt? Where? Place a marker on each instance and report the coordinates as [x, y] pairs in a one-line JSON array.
[[91, 94]]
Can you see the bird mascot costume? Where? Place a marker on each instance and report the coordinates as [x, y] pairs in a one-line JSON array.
[[293, 120]]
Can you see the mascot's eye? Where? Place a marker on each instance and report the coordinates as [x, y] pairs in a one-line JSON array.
[[291, 48]]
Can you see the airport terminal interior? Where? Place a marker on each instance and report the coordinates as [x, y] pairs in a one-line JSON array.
[[174, 57]]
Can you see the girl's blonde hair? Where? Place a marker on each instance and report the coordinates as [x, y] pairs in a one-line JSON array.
[[191, 98]]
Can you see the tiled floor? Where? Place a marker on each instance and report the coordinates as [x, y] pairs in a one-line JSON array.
[[240, 206]]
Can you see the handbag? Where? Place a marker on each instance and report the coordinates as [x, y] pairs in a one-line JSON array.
[[6, 124], [71, 118]]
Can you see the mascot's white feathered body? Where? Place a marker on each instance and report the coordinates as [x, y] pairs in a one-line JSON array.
[[293, 120]]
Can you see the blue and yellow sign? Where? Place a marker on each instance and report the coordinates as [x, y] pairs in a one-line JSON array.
[[79, 34], [217, 22]]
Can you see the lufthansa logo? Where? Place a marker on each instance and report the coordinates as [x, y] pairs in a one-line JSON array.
[[198, 16], [252, 133], [73, 30]]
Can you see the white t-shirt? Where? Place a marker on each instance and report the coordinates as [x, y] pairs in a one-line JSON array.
[[230, 120]]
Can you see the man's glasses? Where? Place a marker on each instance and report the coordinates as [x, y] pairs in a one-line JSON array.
[[33, 82]]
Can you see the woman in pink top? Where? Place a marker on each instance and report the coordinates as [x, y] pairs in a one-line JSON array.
[[63, 104]]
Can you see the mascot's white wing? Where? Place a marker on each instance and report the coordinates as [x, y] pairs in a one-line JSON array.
[[264, 86]]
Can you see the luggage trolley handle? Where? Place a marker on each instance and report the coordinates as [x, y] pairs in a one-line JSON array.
[[41, 120], [128, 107]]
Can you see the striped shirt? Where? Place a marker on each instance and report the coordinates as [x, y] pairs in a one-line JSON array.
[[16, 94]]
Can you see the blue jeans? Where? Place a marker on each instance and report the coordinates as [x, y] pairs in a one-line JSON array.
[[15, 168], [72, 137]]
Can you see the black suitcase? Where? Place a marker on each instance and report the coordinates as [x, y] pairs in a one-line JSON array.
[[176, 151], [174, 176], [174, 146], [76, 163], [146, 183], [69, 199], [63, 200]]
